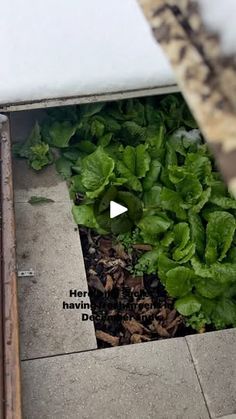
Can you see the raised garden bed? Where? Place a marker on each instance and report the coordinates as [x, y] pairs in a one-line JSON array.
[[172, 255]]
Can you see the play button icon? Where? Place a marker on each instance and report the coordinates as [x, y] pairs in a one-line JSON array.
[[116, 209]]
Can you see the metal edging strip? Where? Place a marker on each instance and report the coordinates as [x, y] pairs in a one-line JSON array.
[[89, 98]]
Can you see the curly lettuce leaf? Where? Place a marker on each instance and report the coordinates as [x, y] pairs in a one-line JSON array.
[[137, 160], [224, 313], [167, 239], [164, 265], [121, 224], [134, 165], [97, 128], [177, 173], [209, 287], [76, 186], [222, 272], [181, 235], [175, 113], [203, 199], [97, 169], [199, 165], [148, 262], [184, 249], [60, 133], [180, 281], [129, 110], [220, 196], [152, 175], [86, 147], [91, 109], [71, 154], [84, 215], [219, 235], [34, 149], [188, 305], [24, 149], [151, 198], [197, 233], [105, 140], [155, 139], [187, 253], [172, 201], [40, 156], [190, 189], [63, 167], [132, 133], [154, 224], [223, 201]]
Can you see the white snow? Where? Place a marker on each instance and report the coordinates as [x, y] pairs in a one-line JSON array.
[[193, 135], [220, 16], [56, 48], [3, 118]]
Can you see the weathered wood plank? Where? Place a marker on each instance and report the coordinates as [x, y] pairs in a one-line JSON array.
[[11, 363]]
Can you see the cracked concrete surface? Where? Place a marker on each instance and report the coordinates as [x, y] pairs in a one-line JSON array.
[[214, 356], [179, 378], [48, 243], [148, 380]]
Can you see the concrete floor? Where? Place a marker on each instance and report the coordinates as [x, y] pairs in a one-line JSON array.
[[47, 242], [192, 378], [64, 376]]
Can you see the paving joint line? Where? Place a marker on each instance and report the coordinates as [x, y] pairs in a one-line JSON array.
[[198, 378], [60, 354], [37, 205]]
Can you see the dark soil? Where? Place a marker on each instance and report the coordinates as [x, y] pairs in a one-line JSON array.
[[126, 309]]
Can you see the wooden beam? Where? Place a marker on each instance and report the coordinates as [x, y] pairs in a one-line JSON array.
[[11, 361]]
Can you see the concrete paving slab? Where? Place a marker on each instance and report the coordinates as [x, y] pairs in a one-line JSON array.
[[214, 356], [144, 381], [48, 243], [46, 183], [28, 182]]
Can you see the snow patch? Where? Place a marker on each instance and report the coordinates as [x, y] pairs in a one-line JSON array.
[[58, 48], [3, 118], [193, 135], [219, 16]]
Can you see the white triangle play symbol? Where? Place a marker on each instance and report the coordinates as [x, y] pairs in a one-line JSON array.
[[116, 209]]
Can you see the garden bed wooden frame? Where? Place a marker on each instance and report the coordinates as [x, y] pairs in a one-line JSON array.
[[10, 393]]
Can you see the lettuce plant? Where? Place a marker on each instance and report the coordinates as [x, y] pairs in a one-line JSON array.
[[149, 156]]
